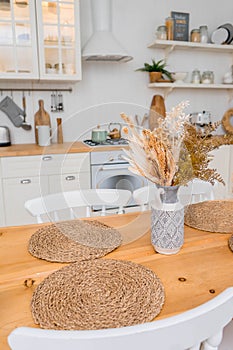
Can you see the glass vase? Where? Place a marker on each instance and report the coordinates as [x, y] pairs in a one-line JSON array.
[[167, 221]]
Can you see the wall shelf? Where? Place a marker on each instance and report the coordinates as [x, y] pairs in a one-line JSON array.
[[170, 45], [191, 86], [169, 87]]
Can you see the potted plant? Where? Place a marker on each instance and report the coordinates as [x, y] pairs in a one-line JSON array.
[[156, 70]]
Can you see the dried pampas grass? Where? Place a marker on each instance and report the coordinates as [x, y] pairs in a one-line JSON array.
[[174, 153]]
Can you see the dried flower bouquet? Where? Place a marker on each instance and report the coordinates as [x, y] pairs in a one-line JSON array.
[[173, 153]]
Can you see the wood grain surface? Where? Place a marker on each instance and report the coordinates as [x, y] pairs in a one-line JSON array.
[[41, 117], [201, 270], [30, 149]]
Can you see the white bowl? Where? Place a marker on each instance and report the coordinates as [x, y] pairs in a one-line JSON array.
[[179, 77]]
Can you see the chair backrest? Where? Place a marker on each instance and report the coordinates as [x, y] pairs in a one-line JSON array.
[[144, 195], [196, 191], [187, 331], [53, 203]]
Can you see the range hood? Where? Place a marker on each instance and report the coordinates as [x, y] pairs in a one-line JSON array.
[[102, 45]]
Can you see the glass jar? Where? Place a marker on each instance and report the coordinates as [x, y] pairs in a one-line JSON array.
[[195, 36], [170, 25], [207, 77], [196, 77], [161, 33], [203, 34]]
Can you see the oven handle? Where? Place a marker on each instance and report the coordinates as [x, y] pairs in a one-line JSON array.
[[104, 168]]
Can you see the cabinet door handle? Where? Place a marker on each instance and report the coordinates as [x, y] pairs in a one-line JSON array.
[[70, 178], [46, 158], [25, 181]]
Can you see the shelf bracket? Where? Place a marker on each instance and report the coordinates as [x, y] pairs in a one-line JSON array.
[[167, 91], [230, 95], [168, 50]]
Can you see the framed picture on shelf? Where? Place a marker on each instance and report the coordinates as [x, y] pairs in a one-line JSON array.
[[181, 26]]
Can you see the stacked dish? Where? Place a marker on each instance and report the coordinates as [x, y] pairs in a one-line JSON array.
[[223, 34]]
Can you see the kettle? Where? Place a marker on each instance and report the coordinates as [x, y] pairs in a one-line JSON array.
[[5, 139], [114, 133]]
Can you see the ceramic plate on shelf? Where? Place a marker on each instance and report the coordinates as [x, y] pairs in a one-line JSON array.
[[229, 28], [219, 36]]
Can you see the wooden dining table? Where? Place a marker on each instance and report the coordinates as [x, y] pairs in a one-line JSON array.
[[201, 270]]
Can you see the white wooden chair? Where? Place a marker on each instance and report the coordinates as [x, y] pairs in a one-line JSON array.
[[52, 204], [144, 195], [196, 191], [200, 328]]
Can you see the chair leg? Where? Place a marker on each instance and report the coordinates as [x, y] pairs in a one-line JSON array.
[[213, 342]]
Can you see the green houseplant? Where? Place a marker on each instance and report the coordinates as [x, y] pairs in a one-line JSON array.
[[156, 70]]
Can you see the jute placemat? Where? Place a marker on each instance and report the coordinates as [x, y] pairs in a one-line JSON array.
[[230, 242], [55, 242], [91, 233], [97, 294], [213, 216]]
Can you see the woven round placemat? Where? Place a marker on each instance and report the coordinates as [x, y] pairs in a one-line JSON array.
[[213, 216], [50, 243], [230, 242], [91, 233], [97, 294]]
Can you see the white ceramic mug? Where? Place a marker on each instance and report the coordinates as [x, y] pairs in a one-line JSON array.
[[43, 135]]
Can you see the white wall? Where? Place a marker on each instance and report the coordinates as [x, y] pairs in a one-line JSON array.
[[110, 88]]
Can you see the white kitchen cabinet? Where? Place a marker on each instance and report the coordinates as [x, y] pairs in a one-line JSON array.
[[27, 177], [18, 40], [69, 182], [40, 40], [59, 39], [221, 162], [16, 192]]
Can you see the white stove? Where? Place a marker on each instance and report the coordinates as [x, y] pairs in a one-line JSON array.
[[109, 169], [108, 142]]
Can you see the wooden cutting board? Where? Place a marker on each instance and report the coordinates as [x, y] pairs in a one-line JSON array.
[[41, 117], [157, 110]]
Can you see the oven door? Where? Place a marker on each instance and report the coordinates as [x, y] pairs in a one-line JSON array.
[[116, 176]]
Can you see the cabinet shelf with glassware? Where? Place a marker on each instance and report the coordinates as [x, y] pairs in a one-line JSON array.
[[40, 40], [59, 40], [18, 40], [169, 45]]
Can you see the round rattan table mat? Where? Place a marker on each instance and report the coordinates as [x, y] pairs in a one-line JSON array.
[[97, 294], [213, 216], [231, 242], [55, 242]]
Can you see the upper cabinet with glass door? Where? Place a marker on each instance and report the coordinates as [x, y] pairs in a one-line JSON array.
[[59, 39], [18, 40]]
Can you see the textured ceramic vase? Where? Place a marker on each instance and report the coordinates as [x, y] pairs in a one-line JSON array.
[[167, 221]]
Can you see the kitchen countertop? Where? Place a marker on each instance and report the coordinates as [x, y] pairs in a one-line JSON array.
[[77, 147], [55, 148]]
